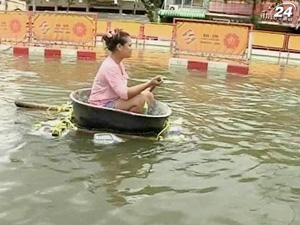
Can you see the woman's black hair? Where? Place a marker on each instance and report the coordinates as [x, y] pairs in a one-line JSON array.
[[113, 38]]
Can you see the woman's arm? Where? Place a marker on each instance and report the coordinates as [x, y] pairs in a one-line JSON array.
[[137, 89]]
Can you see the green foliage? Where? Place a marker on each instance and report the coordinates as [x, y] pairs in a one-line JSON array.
[[255, 21], [152, 7]]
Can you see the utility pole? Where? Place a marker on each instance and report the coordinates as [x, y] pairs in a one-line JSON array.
[[33, 5], [6, 5]]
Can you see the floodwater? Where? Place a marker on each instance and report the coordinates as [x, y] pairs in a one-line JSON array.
[[234, 161]]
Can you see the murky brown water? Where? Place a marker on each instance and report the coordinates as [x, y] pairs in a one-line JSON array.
[[234, 163]]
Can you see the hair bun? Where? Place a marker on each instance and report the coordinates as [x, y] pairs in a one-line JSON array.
[[114, 37], [110, 34]]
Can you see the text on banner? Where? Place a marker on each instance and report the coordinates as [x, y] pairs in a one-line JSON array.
[[211, 38]]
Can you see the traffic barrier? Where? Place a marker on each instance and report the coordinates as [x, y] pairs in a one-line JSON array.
[[52, 53], [238, 69], [195, 40], [203, 65], [20, 51], [79, 54], [264, 40], [57, 30], [86, 55]]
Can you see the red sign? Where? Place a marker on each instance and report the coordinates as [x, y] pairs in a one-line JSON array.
[[282, 13]]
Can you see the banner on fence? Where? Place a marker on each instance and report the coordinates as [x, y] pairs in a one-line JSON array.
[[211, 38], [161, 31], [102, 27], [64, 29], [14, 27], [133, 28]]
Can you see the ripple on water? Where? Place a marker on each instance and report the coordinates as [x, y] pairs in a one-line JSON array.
[[236, 150]]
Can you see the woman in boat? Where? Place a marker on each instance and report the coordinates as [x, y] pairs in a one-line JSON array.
[[110, 85]]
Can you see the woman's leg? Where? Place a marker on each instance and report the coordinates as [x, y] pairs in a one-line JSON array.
[[136, 103]]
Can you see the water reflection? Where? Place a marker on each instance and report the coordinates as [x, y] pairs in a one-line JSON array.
[[117, 162]]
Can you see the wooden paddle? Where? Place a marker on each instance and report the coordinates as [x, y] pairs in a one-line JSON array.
[[31, 105], [39, 106]]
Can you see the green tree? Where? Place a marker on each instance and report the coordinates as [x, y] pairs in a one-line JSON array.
[[152, 7]]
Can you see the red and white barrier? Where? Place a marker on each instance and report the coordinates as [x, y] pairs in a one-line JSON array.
[[51, 52], [207, 66]]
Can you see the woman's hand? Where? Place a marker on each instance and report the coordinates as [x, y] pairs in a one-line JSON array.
[[156, 81], [149, 85]]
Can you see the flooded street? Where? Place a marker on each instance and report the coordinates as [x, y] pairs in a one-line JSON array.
[[235, 161]]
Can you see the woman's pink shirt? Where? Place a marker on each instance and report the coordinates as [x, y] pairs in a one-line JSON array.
[[110, 83]]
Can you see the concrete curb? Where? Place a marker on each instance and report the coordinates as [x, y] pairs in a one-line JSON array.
[[209, 66]]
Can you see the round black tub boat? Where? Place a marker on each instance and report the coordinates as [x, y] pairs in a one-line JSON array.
[[102, 118]]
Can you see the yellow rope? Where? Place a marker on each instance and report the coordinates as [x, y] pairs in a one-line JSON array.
[[61, 126], [63, 114], [146, 107], [159, 136], [65, 120]]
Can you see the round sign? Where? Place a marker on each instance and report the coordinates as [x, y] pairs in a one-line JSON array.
[[79, 29], [231, 41], [15, 26]]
